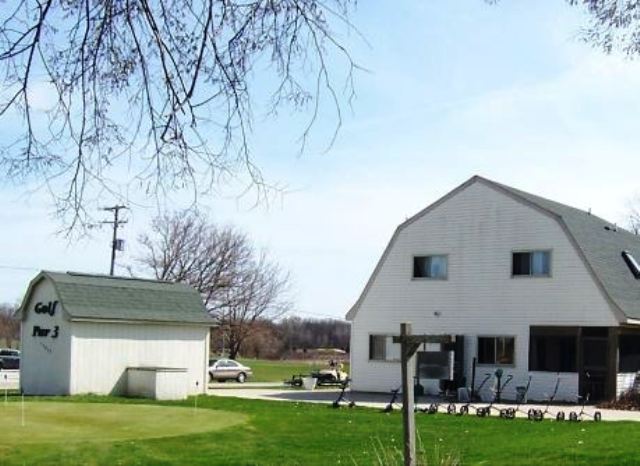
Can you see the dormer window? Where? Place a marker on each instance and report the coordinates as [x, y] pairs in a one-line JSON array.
[[631, 263], [531, 263], [430, 267]]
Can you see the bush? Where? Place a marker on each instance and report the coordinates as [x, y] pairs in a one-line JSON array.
[[393, 455], [629, 400]]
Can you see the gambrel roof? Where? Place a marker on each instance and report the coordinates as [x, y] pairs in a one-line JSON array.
[[598, 242], [103, 297]]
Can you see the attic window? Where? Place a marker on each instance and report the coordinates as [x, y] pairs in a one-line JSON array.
[[631, 263]]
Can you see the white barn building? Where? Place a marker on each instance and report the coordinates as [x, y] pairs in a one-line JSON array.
[[521, 283], [112, 335]]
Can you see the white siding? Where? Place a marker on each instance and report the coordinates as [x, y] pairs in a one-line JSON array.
[[478, 228], [44, 364], [625, 382], [102, 352], [157, 384]]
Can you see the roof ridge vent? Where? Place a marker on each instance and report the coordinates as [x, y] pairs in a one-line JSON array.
[[631, 263]]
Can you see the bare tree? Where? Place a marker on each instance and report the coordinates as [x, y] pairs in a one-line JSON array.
[[633, 213], [184, 247], [239, 285], [258, 294], [158, 93], [9, 325]]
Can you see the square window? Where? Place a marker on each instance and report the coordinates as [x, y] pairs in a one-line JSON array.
[[430, 267], [531, 263], [496, 350]]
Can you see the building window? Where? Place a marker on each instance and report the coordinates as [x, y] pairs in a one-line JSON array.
[[629, 353], [496, 350], [430, 267], [382, 348], [531, 263], [553, 349]]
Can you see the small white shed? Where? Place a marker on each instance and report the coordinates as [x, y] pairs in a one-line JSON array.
[[85, 333]]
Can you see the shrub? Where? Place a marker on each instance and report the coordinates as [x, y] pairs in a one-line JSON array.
[[629, 400]]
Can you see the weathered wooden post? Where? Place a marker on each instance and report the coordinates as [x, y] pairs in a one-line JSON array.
[[408, 416], [409, 344]]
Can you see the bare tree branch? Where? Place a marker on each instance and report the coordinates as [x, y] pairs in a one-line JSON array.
[[239, 286], [159, 94]]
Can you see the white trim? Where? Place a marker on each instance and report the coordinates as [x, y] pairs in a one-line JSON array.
[[141, 321]]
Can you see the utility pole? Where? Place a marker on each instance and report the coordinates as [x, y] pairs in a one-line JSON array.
[[116, 244]]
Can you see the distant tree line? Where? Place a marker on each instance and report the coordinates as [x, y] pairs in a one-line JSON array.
[[291, 338], [308, 333]]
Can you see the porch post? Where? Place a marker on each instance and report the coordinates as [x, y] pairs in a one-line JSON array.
[[611, 379]]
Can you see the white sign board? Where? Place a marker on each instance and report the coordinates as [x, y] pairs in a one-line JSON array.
[[10, 380]]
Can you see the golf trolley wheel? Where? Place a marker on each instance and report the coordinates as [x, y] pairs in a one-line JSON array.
[[531, 414], [482, 412], [560, 416], [451, 409], [597, 416], [336, 404], [573, 416], [433, 408], [352, 404], [387, 409], [511, 413], [464, 410], [503, 413], [539, 415]]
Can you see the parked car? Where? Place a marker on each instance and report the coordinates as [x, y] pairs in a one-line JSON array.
[[9, 358], [228, 369]]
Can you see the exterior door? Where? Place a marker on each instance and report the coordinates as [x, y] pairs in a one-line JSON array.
[[598, 368]]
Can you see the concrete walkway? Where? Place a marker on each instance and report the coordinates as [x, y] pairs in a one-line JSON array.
[[379, 401], [247, 385]]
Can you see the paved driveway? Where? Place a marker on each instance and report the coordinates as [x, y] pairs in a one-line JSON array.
[[379, 401]]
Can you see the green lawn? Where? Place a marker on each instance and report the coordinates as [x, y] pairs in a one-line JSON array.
[[277, 371], [46, 421], [278, 433]]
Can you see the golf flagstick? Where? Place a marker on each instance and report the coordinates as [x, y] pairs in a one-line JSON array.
[[22, 403], [195, 401]]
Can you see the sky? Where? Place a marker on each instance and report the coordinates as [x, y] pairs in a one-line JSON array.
[[453, 89]]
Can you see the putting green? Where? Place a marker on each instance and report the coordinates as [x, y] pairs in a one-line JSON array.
[[105, 422]]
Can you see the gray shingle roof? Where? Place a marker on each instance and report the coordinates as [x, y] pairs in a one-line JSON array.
[[601, 247], [86, 296]]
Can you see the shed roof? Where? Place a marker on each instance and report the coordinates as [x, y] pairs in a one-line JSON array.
[[103, 297]]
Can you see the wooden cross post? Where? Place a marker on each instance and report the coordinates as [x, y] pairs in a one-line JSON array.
[[409, 344]]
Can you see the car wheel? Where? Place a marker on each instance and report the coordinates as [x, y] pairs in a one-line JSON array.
[[242, 377]]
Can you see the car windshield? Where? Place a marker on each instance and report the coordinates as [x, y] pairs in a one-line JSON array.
[[212, 361]]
